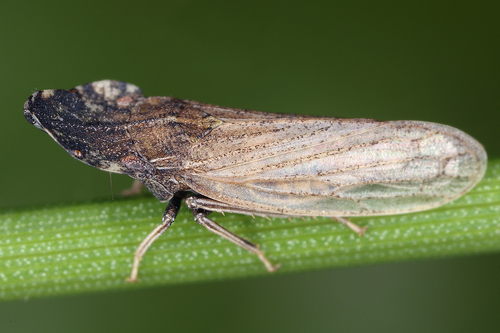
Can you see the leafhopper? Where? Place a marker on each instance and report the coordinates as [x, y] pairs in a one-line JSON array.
[[248, 162]]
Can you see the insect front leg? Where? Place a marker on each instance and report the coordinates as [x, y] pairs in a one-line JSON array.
[[201, 217], [168, 217]]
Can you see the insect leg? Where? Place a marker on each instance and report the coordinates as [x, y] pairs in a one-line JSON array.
[[135, 189], [196, 202], [354, 227], [168, 217], [200, 216]]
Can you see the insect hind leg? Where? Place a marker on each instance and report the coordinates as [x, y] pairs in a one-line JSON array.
[[198, 202], [200, 216], [354, 227]]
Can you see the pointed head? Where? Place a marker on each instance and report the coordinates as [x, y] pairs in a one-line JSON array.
[[89, 121]]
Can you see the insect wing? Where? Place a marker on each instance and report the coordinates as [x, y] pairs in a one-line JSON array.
[[334, 167]]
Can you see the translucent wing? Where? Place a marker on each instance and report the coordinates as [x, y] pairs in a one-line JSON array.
[[334, 167]]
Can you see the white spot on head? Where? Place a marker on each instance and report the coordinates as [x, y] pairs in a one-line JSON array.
[[133, 89], [46, 94], [109, 89], [106, 89]]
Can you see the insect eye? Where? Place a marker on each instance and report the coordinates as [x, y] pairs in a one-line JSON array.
[[77, 154]]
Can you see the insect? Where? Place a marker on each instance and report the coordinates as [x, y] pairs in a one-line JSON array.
[[232, 160]]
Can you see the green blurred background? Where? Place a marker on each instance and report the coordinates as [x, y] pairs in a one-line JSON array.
[[429, 60]]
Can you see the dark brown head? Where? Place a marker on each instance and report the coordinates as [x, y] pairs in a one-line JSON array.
[[89, 121]]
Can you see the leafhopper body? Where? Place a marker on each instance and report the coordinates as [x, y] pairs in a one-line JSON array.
[[233, 160]]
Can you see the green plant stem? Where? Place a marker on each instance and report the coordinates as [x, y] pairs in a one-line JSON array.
[[88, 247]]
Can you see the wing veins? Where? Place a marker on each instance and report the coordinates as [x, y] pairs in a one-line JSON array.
[[303, 147]]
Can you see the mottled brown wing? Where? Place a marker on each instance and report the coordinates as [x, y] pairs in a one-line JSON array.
[[334, 167]]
